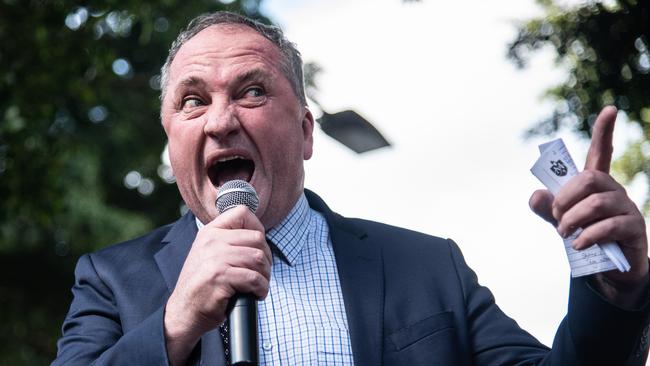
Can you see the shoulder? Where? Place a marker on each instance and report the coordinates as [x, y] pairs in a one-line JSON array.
[[137, 254], [385, 230], [148, 243], [392, 238], [413, 261], [402, 250]]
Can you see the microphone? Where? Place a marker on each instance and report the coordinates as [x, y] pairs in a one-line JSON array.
[[243, 316]]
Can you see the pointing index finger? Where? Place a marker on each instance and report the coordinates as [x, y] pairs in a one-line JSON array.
[[599, 156]]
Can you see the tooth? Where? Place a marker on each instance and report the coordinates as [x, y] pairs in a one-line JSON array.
[[227, 158]]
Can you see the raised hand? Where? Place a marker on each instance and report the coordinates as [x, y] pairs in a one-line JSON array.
[[594, 201]]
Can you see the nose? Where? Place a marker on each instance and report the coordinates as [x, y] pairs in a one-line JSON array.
[[221, 121]]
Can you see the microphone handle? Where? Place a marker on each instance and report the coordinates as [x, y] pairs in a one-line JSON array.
[[243, 331]]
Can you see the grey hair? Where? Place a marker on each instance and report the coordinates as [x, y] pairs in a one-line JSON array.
[[291, 62]]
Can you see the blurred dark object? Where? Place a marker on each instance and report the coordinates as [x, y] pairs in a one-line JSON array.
[[605, 47], [347, 127], [352, 130]]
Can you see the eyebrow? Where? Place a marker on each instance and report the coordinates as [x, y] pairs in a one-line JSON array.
[[248, 75], [191, 82], [252, 74]]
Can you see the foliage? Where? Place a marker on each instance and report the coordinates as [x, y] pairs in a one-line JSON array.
[[606, 50], [79, 114]]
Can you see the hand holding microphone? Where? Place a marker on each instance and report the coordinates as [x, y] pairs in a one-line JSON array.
[[229, 256], [243, 316]]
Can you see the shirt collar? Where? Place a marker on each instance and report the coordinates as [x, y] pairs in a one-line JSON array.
[[290, 235]]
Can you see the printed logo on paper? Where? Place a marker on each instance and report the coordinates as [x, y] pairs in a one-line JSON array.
[[559, 168]]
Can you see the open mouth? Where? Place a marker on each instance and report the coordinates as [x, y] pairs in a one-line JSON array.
[[230, 168]]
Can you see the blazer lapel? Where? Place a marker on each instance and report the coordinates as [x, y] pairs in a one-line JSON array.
[[178, 242], [360, 267], [170, 261]]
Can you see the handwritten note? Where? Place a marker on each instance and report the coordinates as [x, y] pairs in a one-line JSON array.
[[554, 168]]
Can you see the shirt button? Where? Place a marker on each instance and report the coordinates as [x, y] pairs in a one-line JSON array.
[[266, 345]]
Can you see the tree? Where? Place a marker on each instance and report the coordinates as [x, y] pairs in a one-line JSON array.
[[80, 147], [606, 50]]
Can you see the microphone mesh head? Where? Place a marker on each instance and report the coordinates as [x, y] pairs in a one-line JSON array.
[[236, 192]]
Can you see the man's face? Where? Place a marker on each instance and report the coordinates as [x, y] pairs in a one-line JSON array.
[[230, 113]]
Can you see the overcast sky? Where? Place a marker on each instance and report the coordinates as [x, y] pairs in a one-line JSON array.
[[433, 78]]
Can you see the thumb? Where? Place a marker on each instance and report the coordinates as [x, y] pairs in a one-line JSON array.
[[238, 217], [541, 202]]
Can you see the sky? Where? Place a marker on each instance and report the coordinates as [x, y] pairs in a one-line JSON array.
[[432, 76]]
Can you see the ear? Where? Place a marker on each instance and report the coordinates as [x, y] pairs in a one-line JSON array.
[[307, 133]]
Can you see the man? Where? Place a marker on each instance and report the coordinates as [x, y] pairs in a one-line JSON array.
[[335, 290]]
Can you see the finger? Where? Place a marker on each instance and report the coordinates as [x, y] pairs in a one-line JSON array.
[[593, 208], [541, 204], [581, 186], [599, 156], [613, 229], [212, 236], [247, 238], [238, 217], [246, 281], [248, 258]]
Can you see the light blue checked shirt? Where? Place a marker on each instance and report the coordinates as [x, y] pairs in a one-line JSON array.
[[302, 321]]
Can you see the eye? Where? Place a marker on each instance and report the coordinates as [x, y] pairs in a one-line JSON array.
[[252, 97], [190, 103], [254, 92]]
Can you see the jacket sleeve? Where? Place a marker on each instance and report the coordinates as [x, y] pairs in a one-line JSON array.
[[594, 332], [92, 331]]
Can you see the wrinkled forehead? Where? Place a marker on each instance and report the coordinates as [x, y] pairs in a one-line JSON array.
[[227, 40]]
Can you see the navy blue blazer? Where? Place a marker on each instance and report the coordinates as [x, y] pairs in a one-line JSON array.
[[410, 299]]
